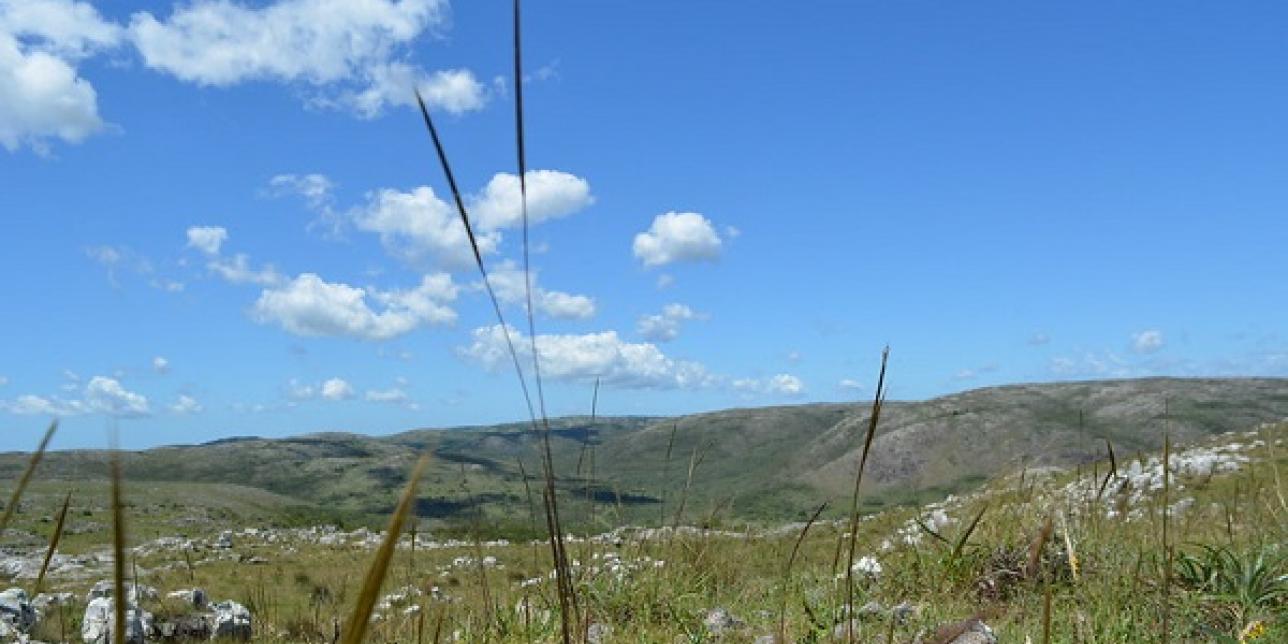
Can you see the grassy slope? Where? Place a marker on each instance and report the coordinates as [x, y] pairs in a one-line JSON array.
[[771, 463]]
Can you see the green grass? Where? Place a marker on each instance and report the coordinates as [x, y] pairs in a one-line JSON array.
[[1226, 576]]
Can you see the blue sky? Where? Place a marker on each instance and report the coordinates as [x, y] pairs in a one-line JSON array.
[[223, 218]]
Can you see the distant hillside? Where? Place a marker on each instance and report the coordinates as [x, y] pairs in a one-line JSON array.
[[771, 462]]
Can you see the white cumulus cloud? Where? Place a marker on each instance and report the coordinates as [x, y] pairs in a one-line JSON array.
[[42, 95], [311, 306], [551, 194], [508, 284], [583, 358], [677, 237], [336, 389], [665, 326], [347, 50], [454, 91], [108, 396], [160, 364], [207, 239], [419, 228]]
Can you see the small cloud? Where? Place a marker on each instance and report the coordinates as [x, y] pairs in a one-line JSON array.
[[665, 326], [336, 389], [677, 237], [186, 405], [1039, 339], [786, 384], [160, 365], [107, 395], [392, 396], [3, 381], [665, 280], [1147, 341], [849, 385], [793, 356], [207, 239]]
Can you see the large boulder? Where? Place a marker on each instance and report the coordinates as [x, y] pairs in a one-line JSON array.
[[100, 619], [231, 620]]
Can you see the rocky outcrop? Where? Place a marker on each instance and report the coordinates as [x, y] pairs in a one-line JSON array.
[[99, 622]]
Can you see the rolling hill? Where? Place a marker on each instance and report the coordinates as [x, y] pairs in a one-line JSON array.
[[757, 463]]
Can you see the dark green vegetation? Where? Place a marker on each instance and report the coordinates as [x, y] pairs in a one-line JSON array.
[[771, 463]]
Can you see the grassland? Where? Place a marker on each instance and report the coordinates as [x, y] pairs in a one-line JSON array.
[[1102, 564]]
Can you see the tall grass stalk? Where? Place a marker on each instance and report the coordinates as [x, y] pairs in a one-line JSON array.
[[16, 497], [356, 629], [53, 543], [1167, 548], [119, 597], [877, 399]]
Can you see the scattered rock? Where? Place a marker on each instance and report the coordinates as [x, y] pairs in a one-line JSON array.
[[44, 600], [870, 609], [839, 632], [718, 621], [970, 631], [904, 611], [598, 633], [16, 613], [231, 620]]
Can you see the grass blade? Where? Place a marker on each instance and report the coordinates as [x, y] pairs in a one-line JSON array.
[[23, 480], [53, 543], [119, 598], [356, 629], [961, 541], [1035, 548], [877, 399]]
